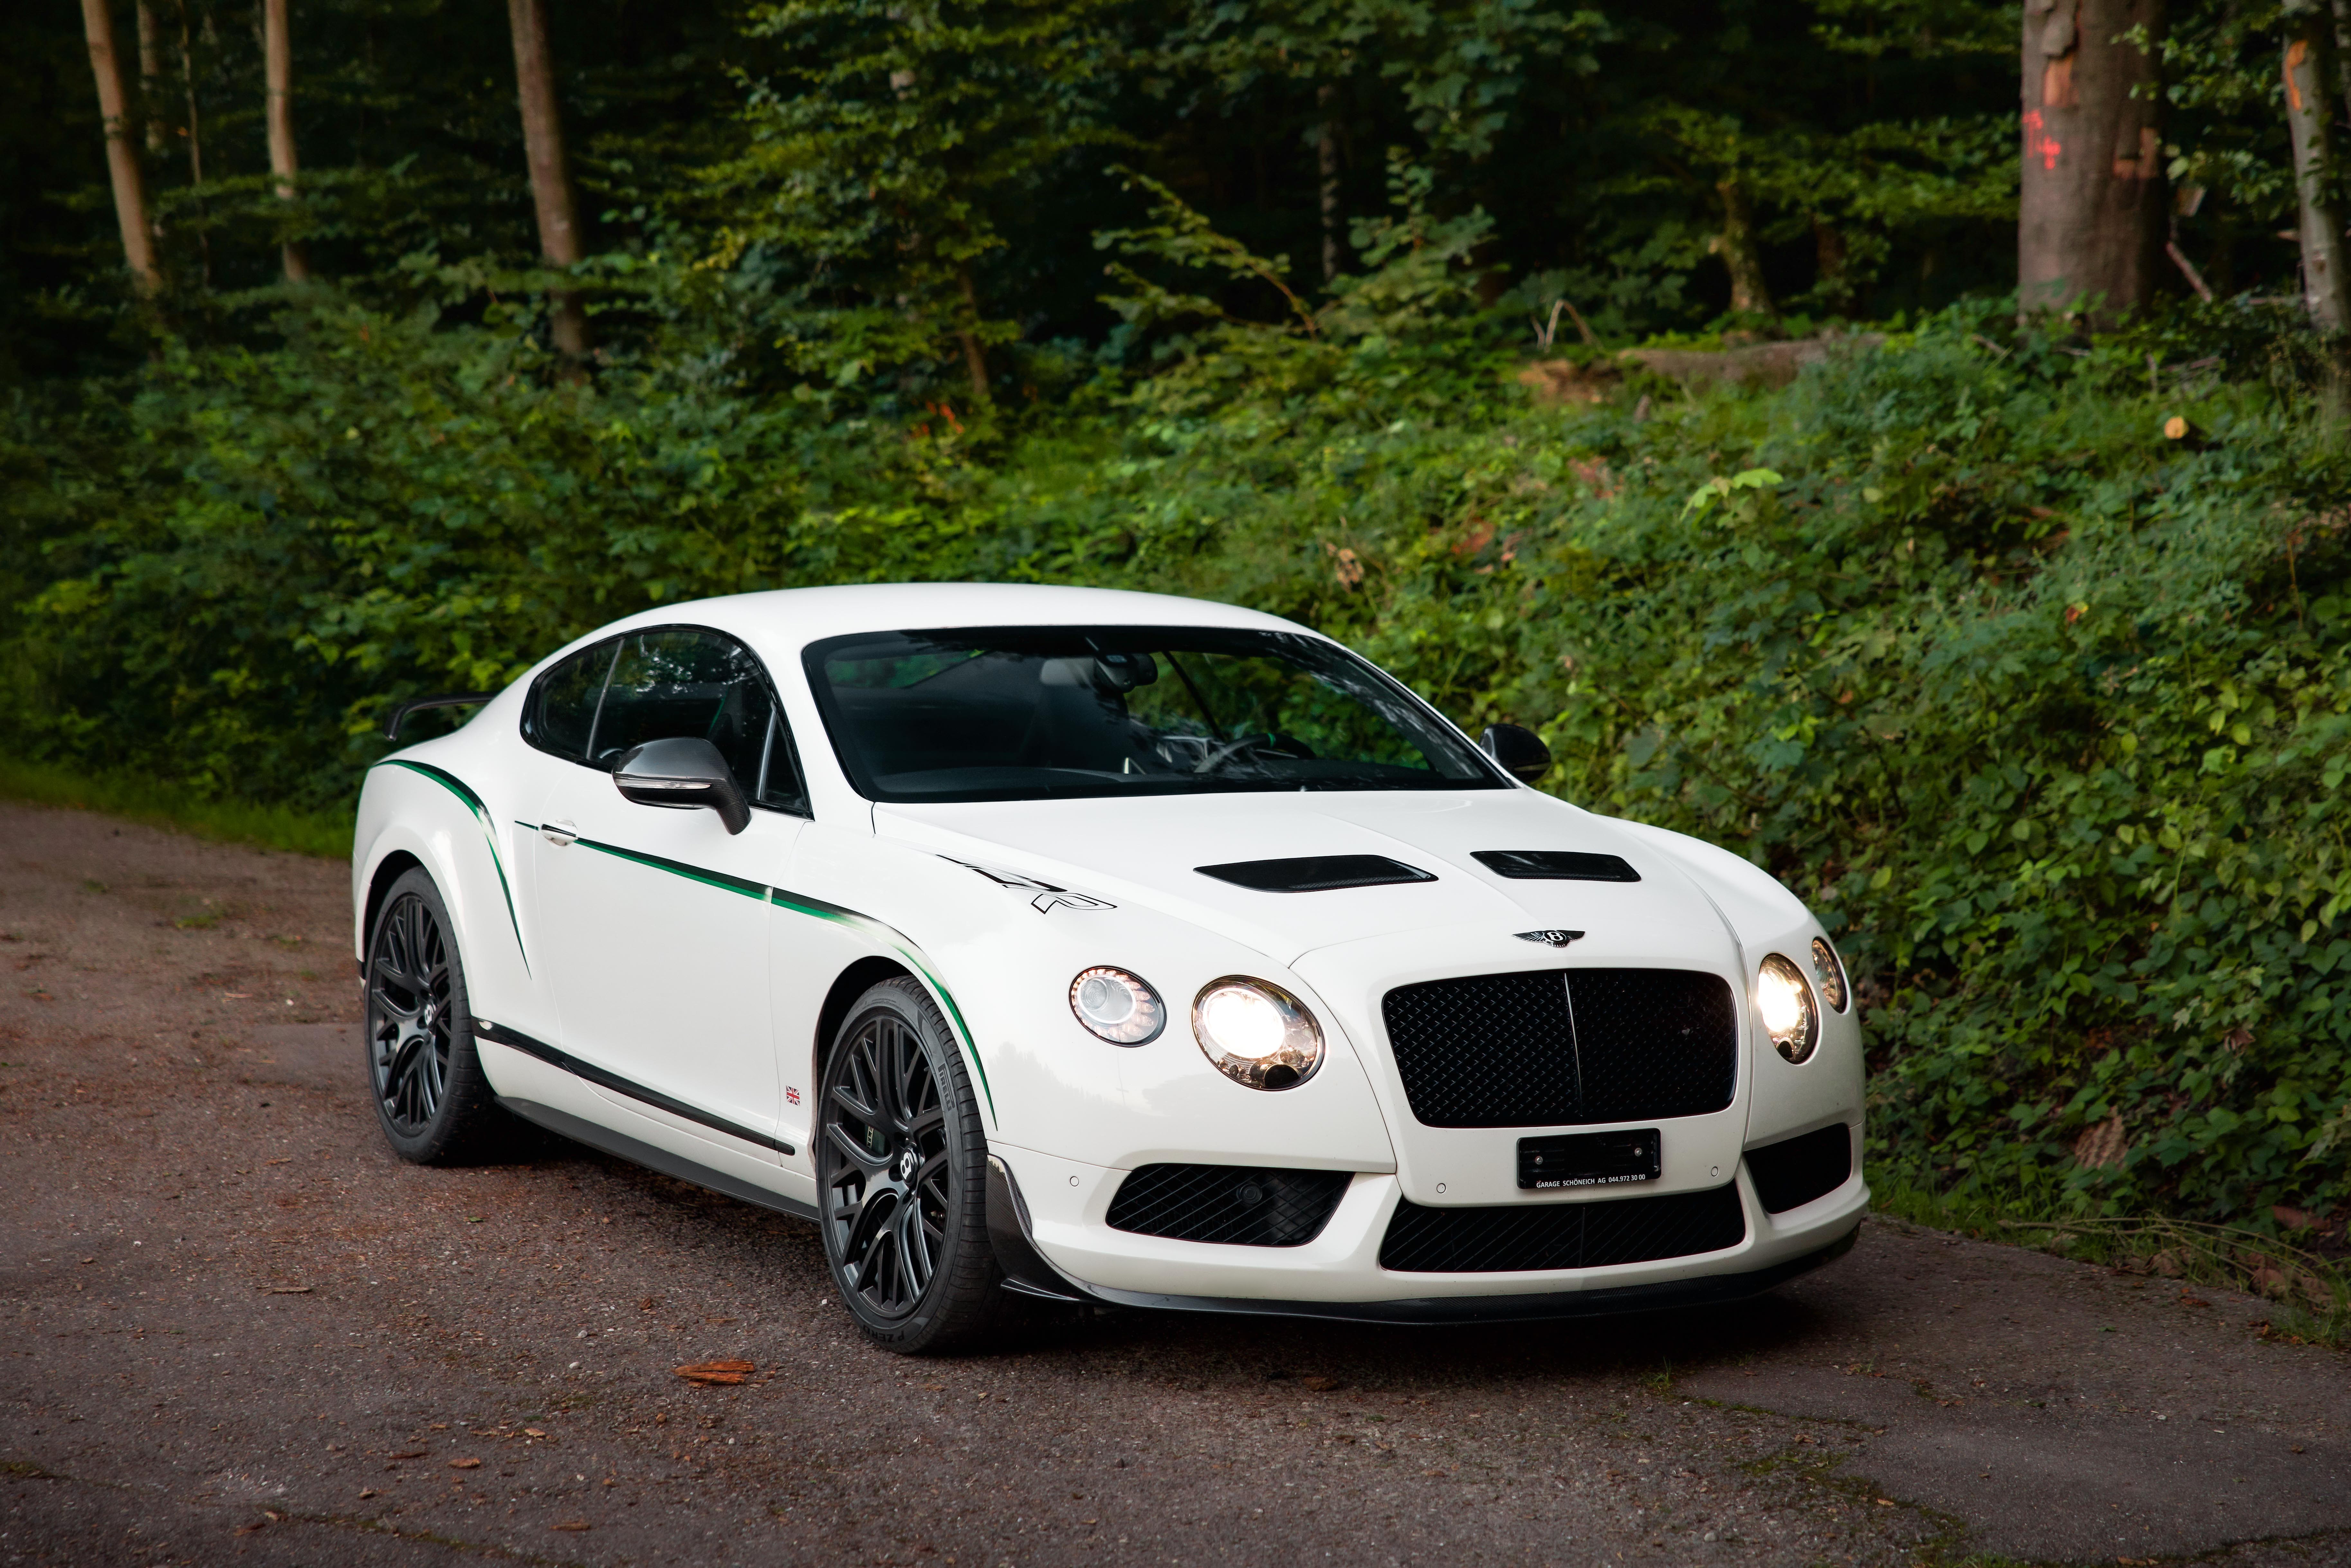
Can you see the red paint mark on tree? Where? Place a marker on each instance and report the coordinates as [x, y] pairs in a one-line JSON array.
[[2038, 143]]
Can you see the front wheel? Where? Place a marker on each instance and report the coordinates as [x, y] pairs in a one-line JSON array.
[[431, 1097], [901, 1179]]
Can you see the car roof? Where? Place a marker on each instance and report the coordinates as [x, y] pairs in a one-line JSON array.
[[786, 619]]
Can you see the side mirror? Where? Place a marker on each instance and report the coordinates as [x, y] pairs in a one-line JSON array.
[[683, 775], [1519, 752]]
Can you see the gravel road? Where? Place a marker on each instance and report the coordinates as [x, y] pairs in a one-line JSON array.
[[234, 1329]]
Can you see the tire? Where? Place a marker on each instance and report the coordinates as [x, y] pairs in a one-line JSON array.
[[902, 1189], [431, 1097]]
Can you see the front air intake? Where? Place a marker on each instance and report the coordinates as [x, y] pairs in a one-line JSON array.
[[1792, 1172], [1239, 1205], [1548, 1048], [1527, 1236]]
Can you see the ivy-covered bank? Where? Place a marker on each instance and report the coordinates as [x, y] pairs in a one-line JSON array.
[[2023, 658]]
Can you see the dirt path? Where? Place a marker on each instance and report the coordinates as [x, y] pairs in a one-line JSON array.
[[233, 1328]]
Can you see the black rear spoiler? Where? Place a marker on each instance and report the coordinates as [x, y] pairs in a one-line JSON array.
[[413, 704]]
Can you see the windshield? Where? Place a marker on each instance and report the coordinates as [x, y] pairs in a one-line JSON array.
[[1035, 713]]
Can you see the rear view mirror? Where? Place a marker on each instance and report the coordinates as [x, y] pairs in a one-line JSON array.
[[683, 775], [1521, 752]]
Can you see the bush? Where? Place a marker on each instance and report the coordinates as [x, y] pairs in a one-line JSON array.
[[2044, 710]]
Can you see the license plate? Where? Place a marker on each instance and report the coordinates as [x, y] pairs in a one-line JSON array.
[[1589, 1159]]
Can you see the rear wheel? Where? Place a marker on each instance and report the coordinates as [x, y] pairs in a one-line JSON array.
[[431, 1097], [901, 1179]]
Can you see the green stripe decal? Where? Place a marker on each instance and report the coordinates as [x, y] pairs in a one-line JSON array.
[[801, 904], [816, 909], [457, 786], [718, 880]]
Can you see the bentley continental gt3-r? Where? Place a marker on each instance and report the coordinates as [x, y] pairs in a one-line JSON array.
[[1100, 947]]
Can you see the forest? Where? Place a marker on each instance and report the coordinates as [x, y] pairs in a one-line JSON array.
[[1901, 440]]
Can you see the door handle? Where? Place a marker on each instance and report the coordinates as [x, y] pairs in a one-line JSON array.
[[558, 833]]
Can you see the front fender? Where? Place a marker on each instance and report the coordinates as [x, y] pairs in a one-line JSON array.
[[411, 808], [1002, 956]]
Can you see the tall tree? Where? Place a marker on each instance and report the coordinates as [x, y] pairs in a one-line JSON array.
[[277, 64], [2090, 213], [121, 156], [550, 172], [151, 76], [2310, 107]]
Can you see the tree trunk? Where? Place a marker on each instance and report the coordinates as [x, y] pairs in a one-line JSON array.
[[2090, 215], [550, 175], [2310, 84], [975, 359], [1736, 246], [2343, 47], [1326, 159], [121, 158], [195, 144], [277, 60], [1832, 266], [151, 76]]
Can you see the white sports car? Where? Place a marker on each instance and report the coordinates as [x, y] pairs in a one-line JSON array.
[[1100, 948]]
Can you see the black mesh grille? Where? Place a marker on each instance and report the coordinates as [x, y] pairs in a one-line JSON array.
[[1791, 1173], [1553, 1048], [1653, 1043], [1232, 1204], [1561, 1234]]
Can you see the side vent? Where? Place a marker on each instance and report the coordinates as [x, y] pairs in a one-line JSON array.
[[1315, 874], [1556, 866]]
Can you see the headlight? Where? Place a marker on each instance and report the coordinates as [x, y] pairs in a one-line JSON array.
[[1790, 1015], [1121, 1007], [1829, 970], [1257, 1034]]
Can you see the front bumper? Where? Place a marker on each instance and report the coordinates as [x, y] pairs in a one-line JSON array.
[[1046, 1220]]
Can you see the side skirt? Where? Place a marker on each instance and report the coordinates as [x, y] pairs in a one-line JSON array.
[[515, 1039], [582, 1131]]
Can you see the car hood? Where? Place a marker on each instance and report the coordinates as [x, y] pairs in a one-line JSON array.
[[1146, 851]]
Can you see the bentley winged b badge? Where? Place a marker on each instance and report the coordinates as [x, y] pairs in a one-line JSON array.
[[1556, 939]]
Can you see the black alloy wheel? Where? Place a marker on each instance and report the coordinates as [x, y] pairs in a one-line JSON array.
[[901, 1187], [408, 998], [431, 1097]]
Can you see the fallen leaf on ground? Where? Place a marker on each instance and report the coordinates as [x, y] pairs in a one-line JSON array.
[[407, 1454], [366, 1492], [569, 1524], [286, 1289], [465, 1463], [532, 1432], [717, 1371]]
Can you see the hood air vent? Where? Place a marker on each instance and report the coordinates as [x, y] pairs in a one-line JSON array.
[[1315, 874], [1554, 865]]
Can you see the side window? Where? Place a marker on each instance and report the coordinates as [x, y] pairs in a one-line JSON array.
[[701, 685], [562, 713]]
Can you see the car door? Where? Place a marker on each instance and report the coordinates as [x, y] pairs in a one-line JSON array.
[[657, 919]]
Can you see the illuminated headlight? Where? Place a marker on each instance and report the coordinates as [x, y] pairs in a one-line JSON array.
[[1121, 1007], [1829, 970], [1790, 1017], [1257, 1034]]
